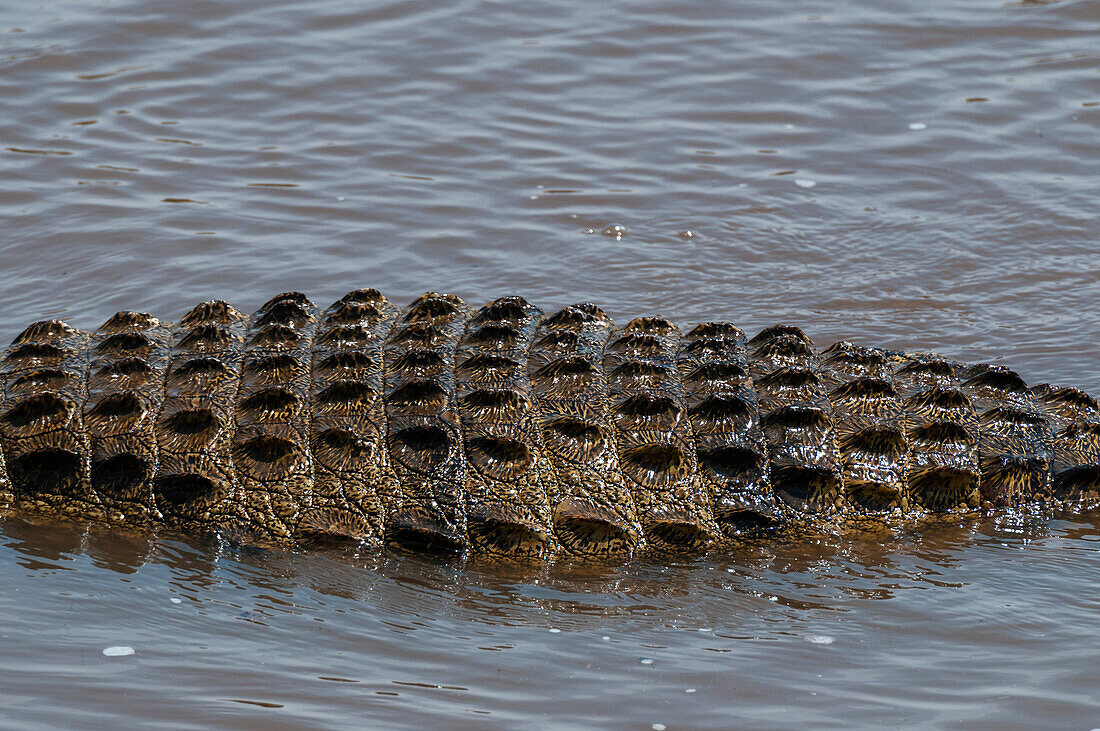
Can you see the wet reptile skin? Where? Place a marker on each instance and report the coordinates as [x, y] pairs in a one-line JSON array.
[[505, 431]]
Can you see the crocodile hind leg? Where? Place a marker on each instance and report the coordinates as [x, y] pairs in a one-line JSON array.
[[593, 509], [656, 450], [42, 433], [194, 486], [507, 504], [797, 420], [353, 480], [424, 434], [271, 437], [128, 357]]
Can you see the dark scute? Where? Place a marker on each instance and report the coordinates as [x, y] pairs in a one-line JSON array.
[[846, 353], [574, 316], [880, 439], [346, 392], [44, 378], [120, 474], [658, 458], [122, 404], [125, 343], [643, 343], [201, 366], [572, 366], [214, 311], [717, 373], [651, 325], [423, 334], [37, 407], [417, 359], [492, 334], [712, 345], [933, 367], [209, 335], [501, 399], [784, 346], [44, 330], [499, 457], [722, 330], [351, 312], [54, 471], [636, 368], [432, 305], [275, 398], [797, 417], [274, 335], [780, 331], [369, 296], [126, 367], [350, 360], [273, 364], [193, 421], [644, 404], [1000, 379], [790, 378], [488, 362], [36, 350], [942, 488], [344, 334], [944, 432], [424, 449], [1013, 416], [423, 531], [422, 439], [1082, 477], [1070, 396], [808, 489], [127, 320], [719, 407], [419, 394], [939, 398], [267, 448], [868, 388], [558, 340], [731, 462], [284, 312], [505, 309], [576, 429], [176, 491]]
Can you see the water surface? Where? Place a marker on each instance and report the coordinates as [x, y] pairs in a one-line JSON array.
[[913, 175]]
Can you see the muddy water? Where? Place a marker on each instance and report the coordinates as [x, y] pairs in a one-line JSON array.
[[917, 175]]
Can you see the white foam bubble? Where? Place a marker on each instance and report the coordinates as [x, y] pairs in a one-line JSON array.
[[820, 639], [118, 651], [176, 600], [804, 183], [646, 661], [553, 630], [918, 125]]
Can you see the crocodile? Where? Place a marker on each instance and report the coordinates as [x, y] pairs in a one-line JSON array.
[[508, 432]]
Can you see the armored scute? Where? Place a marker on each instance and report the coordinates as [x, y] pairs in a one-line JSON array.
[[507, 432]]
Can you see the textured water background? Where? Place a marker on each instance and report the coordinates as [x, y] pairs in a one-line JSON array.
[[898, 173]]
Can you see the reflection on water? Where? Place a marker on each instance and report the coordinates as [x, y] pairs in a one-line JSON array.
[[912, 624], [906, 174]]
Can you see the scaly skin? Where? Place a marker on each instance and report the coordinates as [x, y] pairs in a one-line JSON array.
[[507, 433]]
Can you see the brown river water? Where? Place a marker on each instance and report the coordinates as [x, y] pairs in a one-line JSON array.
[[913, 175]]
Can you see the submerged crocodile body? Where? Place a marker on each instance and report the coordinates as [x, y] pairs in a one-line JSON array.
[[504, 431]]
